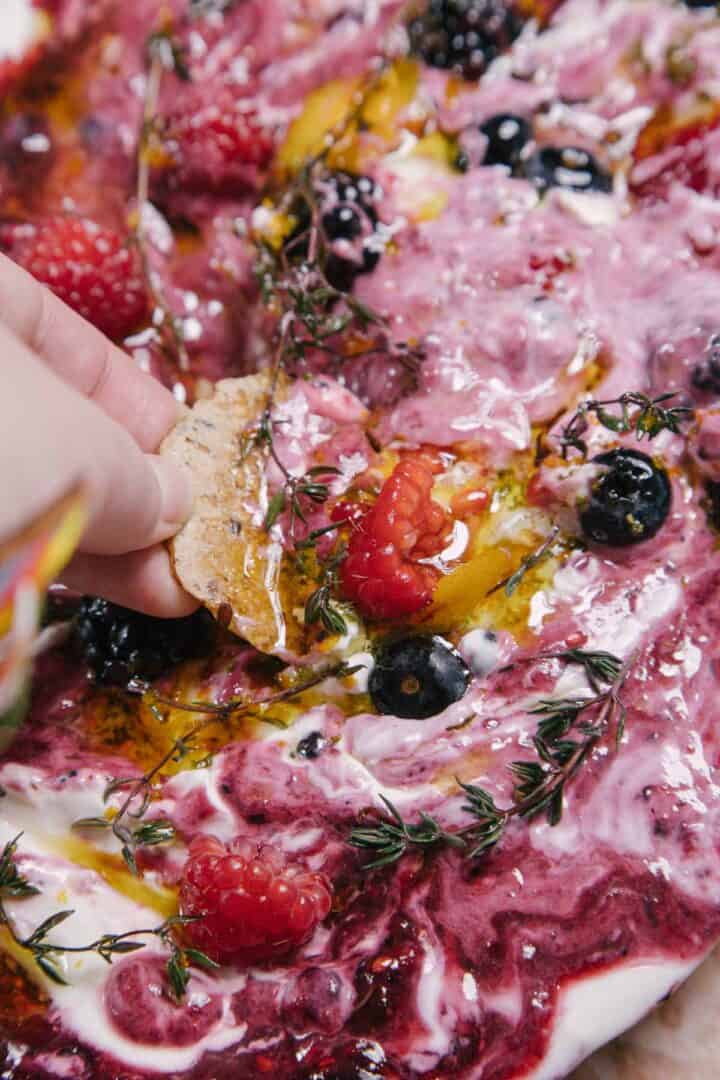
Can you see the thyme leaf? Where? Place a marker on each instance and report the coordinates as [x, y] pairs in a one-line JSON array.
[[159, 831], [491, 821], [389, 840], [148, 833], [633, 412], [599, 666], [295, 489], [178, 974], [12, 882], [319, 607]]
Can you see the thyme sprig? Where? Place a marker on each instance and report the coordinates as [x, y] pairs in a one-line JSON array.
[[12, 883], [140, 792], [599, 666], [45, 953], [296, 491], [311, 313], [539, 786], [128, 825], [311, 316], [645, 416], [227, 709], [165, 54], [389, 840], [511, 583]]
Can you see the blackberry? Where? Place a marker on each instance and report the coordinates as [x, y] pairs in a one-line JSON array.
[[119, 645], [60, 605], [463, 36], [567, 167], [352, 218], [348, 214]]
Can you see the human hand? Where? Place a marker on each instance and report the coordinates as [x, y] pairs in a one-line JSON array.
[[75, 409]]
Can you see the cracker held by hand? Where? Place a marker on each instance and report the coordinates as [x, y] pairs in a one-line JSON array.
[[224, 556]]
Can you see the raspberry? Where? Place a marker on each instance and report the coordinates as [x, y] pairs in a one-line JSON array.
[[90, 267], [251, 905], [218, 147], [382, 573]]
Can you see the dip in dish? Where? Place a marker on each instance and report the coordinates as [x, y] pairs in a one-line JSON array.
[[434, 793]]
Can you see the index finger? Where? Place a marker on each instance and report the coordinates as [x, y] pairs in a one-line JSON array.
[[85, 358]]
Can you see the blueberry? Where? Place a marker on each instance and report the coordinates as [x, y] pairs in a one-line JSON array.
[[566, 167], [463, 36], [312, 745], [706, 374], [629, 501], [507, 136], [417, 677]]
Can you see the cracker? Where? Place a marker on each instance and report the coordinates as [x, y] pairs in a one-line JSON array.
[[223, 555]]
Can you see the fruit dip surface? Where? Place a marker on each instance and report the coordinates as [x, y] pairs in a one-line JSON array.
[[423, 237]]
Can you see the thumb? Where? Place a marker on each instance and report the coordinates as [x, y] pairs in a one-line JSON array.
[[52, 437]]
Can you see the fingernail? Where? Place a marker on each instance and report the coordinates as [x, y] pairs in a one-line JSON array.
[[176, 489]]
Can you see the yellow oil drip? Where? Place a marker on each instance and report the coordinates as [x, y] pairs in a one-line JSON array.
[[144, 733], [465, 597], [329, 107], [324, 111], [18, 968], [472, 764], [112, 870]]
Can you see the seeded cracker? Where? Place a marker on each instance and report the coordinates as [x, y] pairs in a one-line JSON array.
[[223, 555]]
